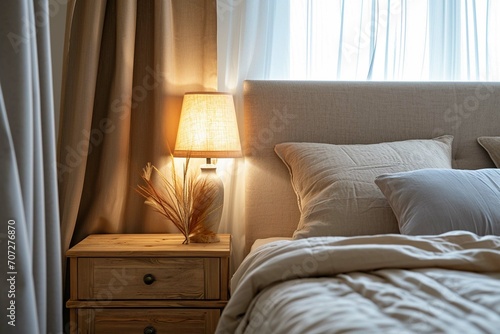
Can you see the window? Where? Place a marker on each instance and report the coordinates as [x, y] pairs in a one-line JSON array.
[[395, 40]]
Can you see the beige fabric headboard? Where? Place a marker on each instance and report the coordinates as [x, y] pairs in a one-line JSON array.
[[348, 113]]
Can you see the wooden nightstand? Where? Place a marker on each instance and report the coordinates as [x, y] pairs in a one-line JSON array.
[[147, 283]]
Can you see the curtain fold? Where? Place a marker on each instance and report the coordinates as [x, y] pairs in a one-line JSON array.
[[81, 50], [127, 65], [32, 293], [252, 44], [444, 23]]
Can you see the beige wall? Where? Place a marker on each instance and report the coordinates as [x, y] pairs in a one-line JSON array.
[[57, 13]]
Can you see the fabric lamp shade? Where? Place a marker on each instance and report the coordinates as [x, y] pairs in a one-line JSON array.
[[208, 127]]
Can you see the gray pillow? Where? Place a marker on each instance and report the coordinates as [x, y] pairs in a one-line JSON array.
[[435, 201], [492, 146], [334, 183]]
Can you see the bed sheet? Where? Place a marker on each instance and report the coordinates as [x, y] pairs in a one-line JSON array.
[[261, 242], [372, 284]]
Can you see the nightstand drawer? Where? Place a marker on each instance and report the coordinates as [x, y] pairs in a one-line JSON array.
[[156, 321], [148, 278], [147, 283]]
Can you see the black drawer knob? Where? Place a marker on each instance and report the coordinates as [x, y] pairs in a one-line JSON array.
[[148, 279], [150, 330]]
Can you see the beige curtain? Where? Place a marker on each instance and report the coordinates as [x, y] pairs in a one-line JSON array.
[[127, 65]]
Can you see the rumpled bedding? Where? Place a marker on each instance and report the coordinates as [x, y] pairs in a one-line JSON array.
[[369, 284]]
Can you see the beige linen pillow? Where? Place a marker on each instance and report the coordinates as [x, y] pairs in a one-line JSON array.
[[492, 146], [335, 184]]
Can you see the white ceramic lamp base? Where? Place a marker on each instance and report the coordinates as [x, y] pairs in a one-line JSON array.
[[213, 212]]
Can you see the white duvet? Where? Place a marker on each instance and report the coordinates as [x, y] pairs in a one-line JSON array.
[[370, 284]]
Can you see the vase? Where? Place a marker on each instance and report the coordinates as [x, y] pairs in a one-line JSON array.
[[208, 203]]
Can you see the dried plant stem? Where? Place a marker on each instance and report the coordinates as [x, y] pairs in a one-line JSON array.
[[183, 200]]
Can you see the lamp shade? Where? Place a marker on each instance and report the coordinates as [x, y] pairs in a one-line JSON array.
[[208, 127]]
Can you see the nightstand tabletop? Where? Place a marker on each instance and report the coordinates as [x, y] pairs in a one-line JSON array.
[[153, 245]]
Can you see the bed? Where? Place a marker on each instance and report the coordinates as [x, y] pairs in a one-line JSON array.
[[373, 207]]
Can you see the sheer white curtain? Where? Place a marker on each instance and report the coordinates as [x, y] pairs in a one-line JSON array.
[[250, 45], [31, 289], [358, 40], [464, 40], [394, 40]]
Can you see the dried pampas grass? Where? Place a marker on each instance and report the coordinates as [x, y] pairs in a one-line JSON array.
[[182, 199]]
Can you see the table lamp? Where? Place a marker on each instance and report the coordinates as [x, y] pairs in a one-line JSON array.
[[208, 129]]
